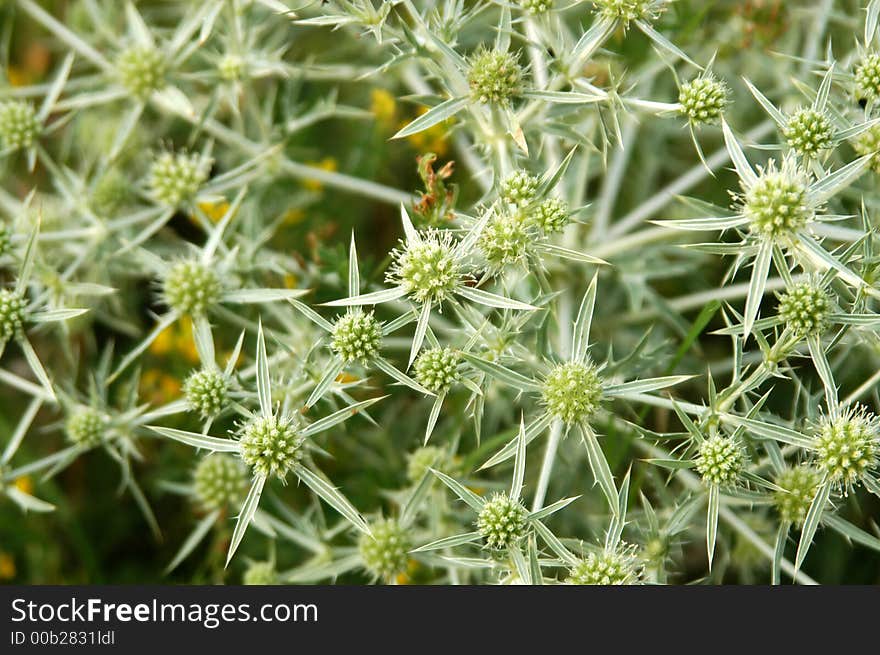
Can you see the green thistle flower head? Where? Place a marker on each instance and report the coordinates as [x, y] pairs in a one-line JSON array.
[[191, 288], [720, 461], [206, 391], [5, 239], [219, 481], [505, 240], [142, 70], [260, 574], [846, 447], [617, 567], [628, 10], [550, 216], [87, 427], [494, 77], [868, 143], [13, 314], [799, 486], [502, 522], [112, 191], [176, 177], [385, 553], [519, 188], [428, 269], [436, 369], [808, 132], [805, 309], [704, 99], [572, 391], [231, 67], [424, 458], [777, 204], [19, 127], [867, 77], [536, 7], [271, 446], [356, 336]]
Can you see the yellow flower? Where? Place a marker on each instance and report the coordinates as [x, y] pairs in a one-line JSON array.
[[214, 210], [164, 342], [7, 566], [18, 76], [433, 139], [24, 484], [345, 378], [290, 281], [294, 216], [383, 106], [326, 164]]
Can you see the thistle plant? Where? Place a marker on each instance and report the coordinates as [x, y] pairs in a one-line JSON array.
[[651, 229]]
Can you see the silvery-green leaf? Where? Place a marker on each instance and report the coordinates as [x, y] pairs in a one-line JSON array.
[[663, 43], [552, 508], [434, 414], [644, 386], [705, 224], [21, 429], [312, 315], [757, 284], [820, 361], [248, 508], [811, 522], [204, 341], [823, 189], [338, 417], [563, 97], [743, 168], [536, 428], [492, 300], [421, 329], [33, 361], [389, 369], [581, 333], [433, 116], [712, 521], [27, 502], [769, 431], [599, 466], [264, 389], [519, 463], [568, 253], [473, 500], [502, 373], [332, 496], [252, 296], [448, 542], [374, 298], [334, 368], [777, 116], [196, 439], [54, 315], [850, 531], [354, 273]]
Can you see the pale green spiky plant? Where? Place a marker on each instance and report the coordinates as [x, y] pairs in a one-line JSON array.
[[566, 144]]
